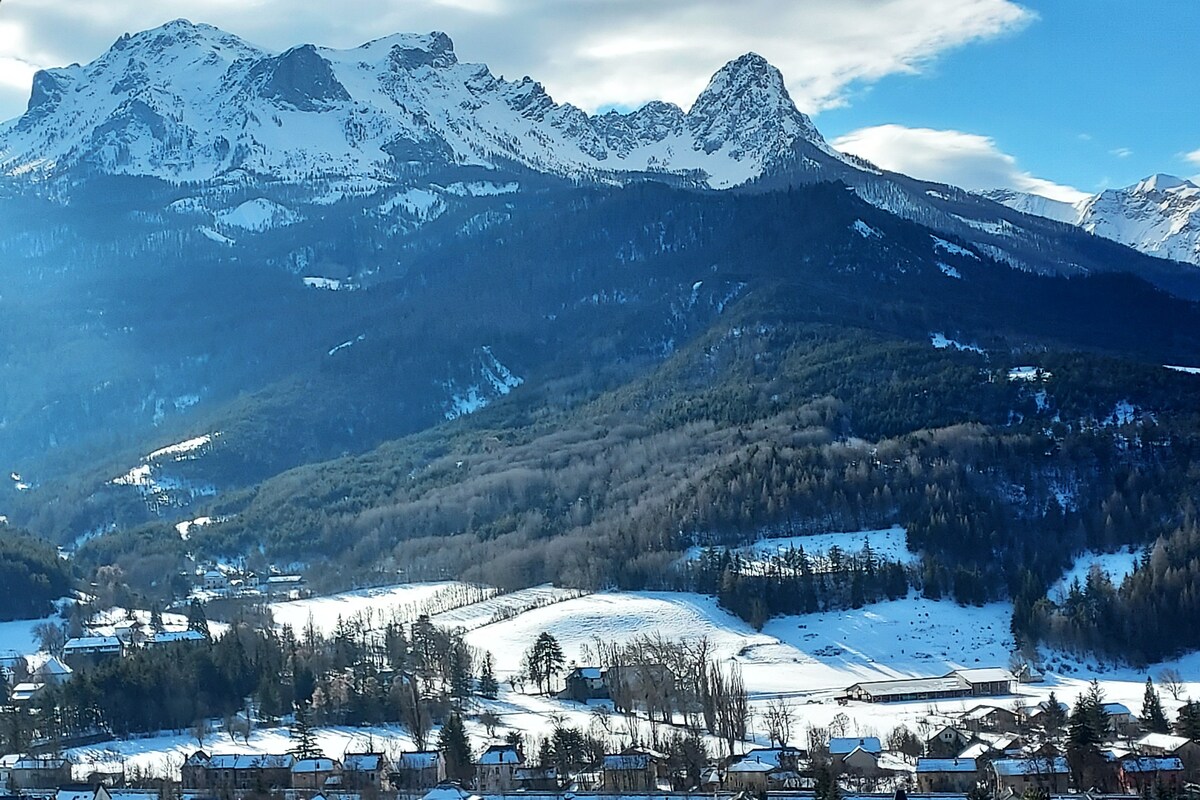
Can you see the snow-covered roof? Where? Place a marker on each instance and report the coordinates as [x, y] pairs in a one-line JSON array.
[[85, 643], [1116, 709], [362, 762], [749, 765], [771, 755], [500, 754], [314, 765], [975, 751], [1163, 741], [1145, 764], [840, 746], [418, 759], [167, 637], [946, 765], [982, 712], [74, 794], [626, 763], [251, 761], [1031, 766], [985, 675], [53, 666], [40, 762], [589, 673], [449, 791]]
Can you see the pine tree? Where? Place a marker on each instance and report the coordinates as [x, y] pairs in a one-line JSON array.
[[197, 620], [1152, 712], [156, 619], [1055, 716], [304, 742], [1188, 723], [456, 749], [544, 660], [487, 678]]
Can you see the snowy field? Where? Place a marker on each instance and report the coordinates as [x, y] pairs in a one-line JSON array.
[[17, 637], [888, 544], [1116, 565], [378, 606]]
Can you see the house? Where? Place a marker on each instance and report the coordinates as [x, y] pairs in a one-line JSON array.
[[312, 773], [946, 742], [956, 775], [1145, 773], [1121, 719], [982, 682], [1039, 713], [364, 772], [227, 773], [25, 693], [635, 770], [52, 672], [289, 587], [39, 772], [1039, 772], [583, 684], [163, 638], [6, 765], [418, 769], [784, 757], [214, 581], [990, 718], [861, 761], [88, 651], [840, 747], [748, 775], [194, 772], [495, 770], [1165, 744], [537, 779], [1027, 673]]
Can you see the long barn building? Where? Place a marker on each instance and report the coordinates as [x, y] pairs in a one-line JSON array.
[[985, 682]]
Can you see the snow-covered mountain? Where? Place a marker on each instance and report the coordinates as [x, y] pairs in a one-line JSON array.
[[189, 102], [1159, 215]]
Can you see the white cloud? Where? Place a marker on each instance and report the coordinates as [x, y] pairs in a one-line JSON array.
[[1193, 157], [1121, 152], [960, 159], [603, 52]]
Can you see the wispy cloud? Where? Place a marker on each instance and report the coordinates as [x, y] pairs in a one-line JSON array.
[[948, 156], [1121, 152], [602, 52]]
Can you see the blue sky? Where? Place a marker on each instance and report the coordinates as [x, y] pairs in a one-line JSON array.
[[1056, 96], [1091, 93]]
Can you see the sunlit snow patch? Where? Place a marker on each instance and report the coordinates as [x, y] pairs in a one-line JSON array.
[[949, 271], [496, 380], [259, 215], [939, 340], [952, 248], [864, 230]]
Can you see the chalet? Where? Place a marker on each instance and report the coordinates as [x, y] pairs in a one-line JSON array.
[[364, 771], [537, 779], [956, 775], [418, 769], [583, 684], [1018, 774], [39, 772], [959, 683], [861, 761], [1144, 774], [947, 742], [636, 770], [313, 773], [990, 718], [88, 651], [496, 768]]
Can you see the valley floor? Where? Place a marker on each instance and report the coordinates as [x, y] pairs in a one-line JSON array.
[[809, 660]]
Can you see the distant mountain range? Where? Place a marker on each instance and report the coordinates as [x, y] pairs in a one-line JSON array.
[[1159, 215], [267, 296]]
